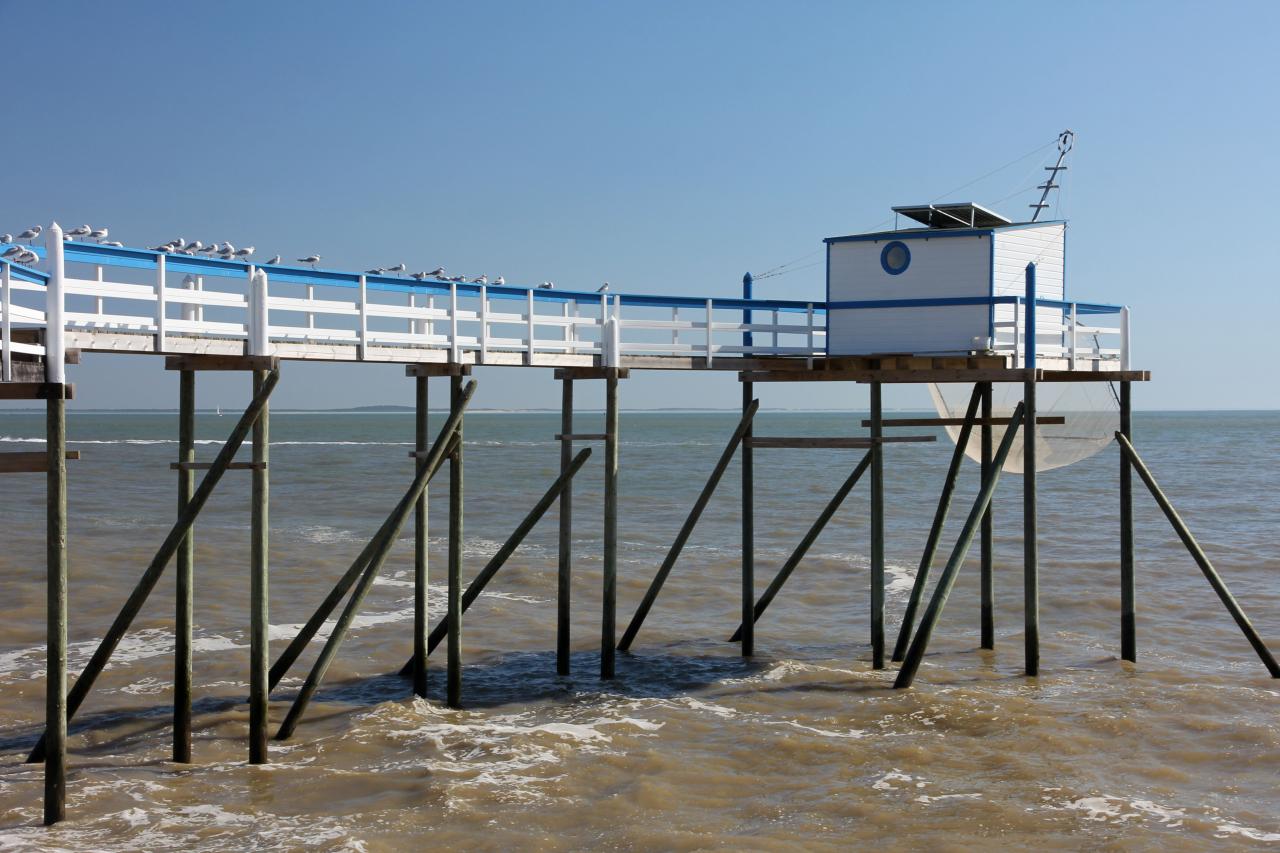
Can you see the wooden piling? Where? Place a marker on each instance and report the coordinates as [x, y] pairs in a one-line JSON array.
[[1202, 560], [747, 628], [935, 530], [98, 662], [877, 529], [987, 569], [420, 539], [56, 716], [184, 609], [810, 536], [259, 650], [655, 586], [920, 642], [1128, 598], [1030, 545], [609, 616], [453, 607], [564, 567]]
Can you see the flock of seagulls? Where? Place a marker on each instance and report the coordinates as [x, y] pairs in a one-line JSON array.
[[227, 252]]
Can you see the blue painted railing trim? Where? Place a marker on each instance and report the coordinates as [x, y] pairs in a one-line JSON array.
[[937, 302]]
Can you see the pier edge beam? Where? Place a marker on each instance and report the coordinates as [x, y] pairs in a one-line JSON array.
[[877, 528], [184, 605], [987, 532], [420, 534], [55, 758], [564, 567], [609, 616], [453, 608], [748, 631], [258, 557], [1128, 603], [1030, 549]]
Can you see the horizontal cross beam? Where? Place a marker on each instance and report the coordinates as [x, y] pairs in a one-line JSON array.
[[928, 422], [205, 466], [815, 442], [221, 362], [29, 461], [35, 391]]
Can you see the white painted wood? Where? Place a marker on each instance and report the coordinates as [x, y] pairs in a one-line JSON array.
[[97, 274], [710, 331], [454, 350], [6, 325], [55, 304], [484, 322], [529, 332], [1073, 333], [160, 302], [1126, 352], [364, 316]]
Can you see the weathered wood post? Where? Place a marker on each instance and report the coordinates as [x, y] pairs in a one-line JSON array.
[[184, 605], [453, 608], [564, 568], [421, 440], [609, 616], [1030, 549], [258, 559], [748, 630], [1128, 605], [55, 757], [877, 528], [987, 570], [55, 760]]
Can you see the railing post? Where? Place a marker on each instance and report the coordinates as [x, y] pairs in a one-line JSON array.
[[362, 340], [484, 324], [55, 300], [1073, 325], [615, 341], [311, 296], [161, 304], [455, 352], [747, 338], [567, 334], [809, 313], [188, 308], [1029, 361], [529, 323], [259, 331], [6, 331], [675, 332], [1124, 338], [98, 301], [775, 328], [709, 333], [1017, 332]]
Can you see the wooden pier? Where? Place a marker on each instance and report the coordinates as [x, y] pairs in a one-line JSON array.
[[444, 342]]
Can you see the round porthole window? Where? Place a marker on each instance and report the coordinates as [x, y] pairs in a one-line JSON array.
[[895, 257]]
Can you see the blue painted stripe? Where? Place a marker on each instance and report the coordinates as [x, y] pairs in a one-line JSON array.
[[1081, 307], [20, 273]]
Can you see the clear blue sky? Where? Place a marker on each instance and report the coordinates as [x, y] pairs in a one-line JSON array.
[[665, 147]]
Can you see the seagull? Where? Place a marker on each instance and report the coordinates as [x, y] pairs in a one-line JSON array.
[[499, 281], [82, 231], [166, 248], [31, 233], [310, 259], [210, 250], [418, 276], [275, 260], [12, 252], [398, 268], [480, 279], [438, 272], [115, 243], [99, 234], [244, 253], [602, 288], [375, 271], [547, 285], [27, 258], [6, 238], [193, 246]]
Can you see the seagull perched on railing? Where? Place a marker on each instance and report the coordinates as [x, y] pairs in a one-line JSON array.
[[547, 285], [602, 288], [27, 258], [419, 276], [243, 254], [193, 247], [82, 231], [6, 238], [499, 281], [480, 279], [274, 260], [310, 259], [398, 268], [99, 234], [116, 243], [438, 272], [166, 248], [12, 252], [31, 233], [375, 271]]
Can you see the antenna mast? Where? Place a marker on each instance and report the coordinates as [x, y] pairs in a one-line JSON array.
[[1066, 140]]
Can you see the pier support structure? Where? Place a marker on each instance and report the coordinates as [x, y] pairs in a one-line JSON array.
[[987, 568], [1128, 615], [877, 527], [747, 630]]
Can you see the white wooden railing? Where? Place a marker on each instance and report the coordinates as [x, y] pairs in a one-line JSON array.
[[1062, 331], [110, 289]]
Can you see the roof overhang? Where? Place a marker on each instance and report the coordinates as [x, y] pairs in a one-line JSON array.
[[962, 215]]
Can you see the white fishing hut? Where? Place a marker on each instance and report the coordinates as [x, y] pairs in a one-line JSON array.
[[947, 287]]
